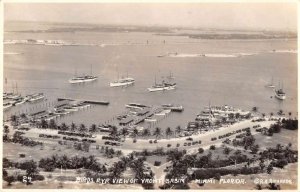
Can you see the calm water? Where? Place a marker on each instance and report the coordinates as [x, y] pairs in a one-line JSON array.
[[237, 81]]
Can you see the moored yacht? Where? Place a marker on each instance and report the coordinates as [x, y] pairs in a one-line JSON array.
[[165, 85], [162, 87], [82, 79], [280, 94], [122, 82]]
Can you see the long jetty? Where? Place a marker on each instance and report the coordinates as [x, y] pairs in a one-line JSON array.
[[85, 101]]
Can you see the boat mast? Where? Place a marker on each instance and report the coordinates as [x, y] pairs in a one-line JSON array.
[[272, 81], [16, 87], [13, 88], [6, 82]]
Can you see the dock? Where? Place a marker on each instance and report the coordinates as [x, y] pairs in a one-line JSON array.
[[85, 101]]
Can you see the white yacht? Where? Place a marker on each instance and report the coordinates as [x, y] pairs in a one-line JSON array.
[[162, 87], [82, 79], [165, 85], [280, 94], [122, 82]]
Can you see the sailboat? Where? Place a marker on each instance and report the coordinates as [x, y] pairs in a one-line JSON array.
[[83, 79], [271, 84], [279, 93]]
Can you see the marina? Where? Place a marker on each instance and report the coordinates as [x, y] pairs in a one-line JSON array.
[[151, 93]]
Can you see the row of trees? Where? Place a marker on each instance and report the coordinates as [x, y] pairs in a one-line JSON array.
[[75, 162], [214, 168], [64, 127], [31, 168], [18, 138], [157, 132]]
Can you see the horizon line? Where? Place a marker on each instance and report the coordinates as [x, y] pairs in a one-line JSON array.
[[159, 26]]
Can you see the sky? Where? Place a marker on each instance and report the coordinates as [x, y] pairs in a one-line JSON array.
[[262, 16]]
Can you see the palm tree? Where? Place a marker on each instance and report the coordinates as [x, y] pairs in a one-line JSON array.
[[52, 124], [64, 127], [290, 114], [231, 116], [44, 123], [13, 118], [135, 132], [114, 131], [168, 132], [237, 115], [263, 115], [124, 132], [6, 129], [73, 127], [157, 132], [271, 114], [254, 109], [146, 132], [202, 126], [280, 112], [93, 128], [82, 128], [64, 161], [178, 129]]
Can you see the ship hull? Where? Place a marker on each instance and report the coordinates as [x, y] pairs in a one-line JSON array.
[[153, 89], [281, 97], [120, 84], [81, 81]]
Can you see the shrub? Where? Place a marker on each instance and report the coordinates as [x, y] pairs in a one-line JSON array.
[[212, 147], [38, 178], [200, 150], [9, 180], [157, 163]]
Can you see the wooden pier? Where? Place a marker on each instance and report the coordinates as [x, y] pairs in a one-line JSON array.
[[85, 101]]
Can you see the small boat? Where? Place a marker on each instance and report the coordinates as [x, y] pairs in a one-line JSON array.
[[150, 120], [163, 112], [7, 106], [80, 105], [135, 106], [61, 112], [70, 108], [173, 107], [36, 97], [271, 84], [19, 101]]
